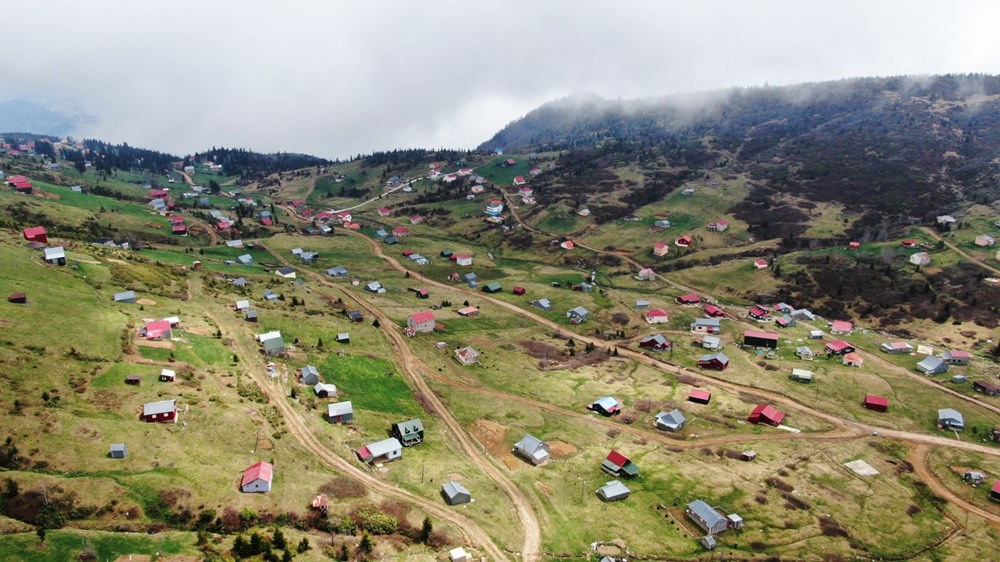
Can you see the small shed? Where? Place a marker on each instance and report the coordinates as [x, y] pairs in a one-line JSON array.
[[455, 493], [118, 451], [951, 419], [606, 406], [343, 337], [325, 390], [168, 375], [380, 451], [699, 396], [310, 375], [126, 297], [492, 287], [17, 298], [876, 403], [458, 555], [257, 478], [532, 449], [801, 375]]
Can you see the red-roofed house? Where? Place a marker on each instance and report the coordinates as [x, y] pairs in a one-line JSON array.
[[995, 491], [688, 299], [344, 216], [853, 245], [510, 162], [909, 243], [519, 290], [841, 327], [853, 360], [877, 403], [535, 170], [308, 213], [758, 313], [839, 347], [176, 219], [384, 212], [713, 311], [416, 219], [156, 193], [23, 187], [16, 179], [324, 216], [257, 478], [267, 222], [699, 396], [567, 245], [657, 316], [400, 231], [760, 264], [421, 322], [519, 180], [36, 234], [179, 229], [684, 241], [223, 225], [158, 330], [450, 178], [660, 249], [766, 414], [718, 226]]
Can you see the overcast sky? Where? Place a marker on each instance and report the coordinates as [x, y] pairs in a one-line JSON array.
[[340, 78]]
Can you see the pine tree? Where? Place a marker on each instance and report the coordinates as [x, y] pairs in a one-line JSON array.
[[425, 531], [278, 540], [366, 545], [303, 545], [286, 556]]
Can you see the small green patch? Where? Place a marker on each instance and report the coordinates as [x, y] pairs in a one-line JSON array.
[[370, 384]]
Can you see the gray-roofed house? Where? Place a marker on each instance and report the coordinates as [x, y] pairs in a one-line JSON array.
[[642, 304], [309, 257], [55, 256], [709, 542], [251, 316], [672, 421], [409, 432], [343, 337], [804, 352], [455, 493], [801, 375], [803, 314], [242, 305], [337, 271], [381, 233], [286, 272], [240, 282], [310, 375], [375, 287], [532, 449], [325, 390], [706, 326], [118, 451], [380, 451], [613, 491], [577, 315], [340, 412], [245, 259], [706, 517], [948, 418], [270, 295], [932, 365], [542, 304], [711, 342], [127, 296], [274, 346]]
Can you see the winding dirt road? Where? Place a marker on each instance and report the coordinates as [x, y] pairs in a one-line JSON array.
[[966, 256]]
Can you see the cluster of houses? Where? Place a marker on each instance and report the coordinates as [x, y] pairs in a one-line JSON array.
[[21, 184]]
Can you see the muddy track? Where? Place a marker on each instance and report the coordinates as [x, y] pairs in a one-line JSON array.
[[967, 257], [412, 368], [918, 458]]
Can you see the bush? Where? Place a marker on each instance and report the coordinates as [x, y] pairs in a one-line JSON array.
[[371, 520]]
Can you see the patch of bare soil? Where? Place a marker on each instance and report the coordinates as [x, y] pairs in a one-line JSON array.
[[265, 444], [493, 436], [560, 449], [147, 302], [200, 332], [543, 488]]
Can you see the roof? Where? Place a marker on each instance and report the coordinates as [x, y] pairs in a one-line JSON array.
[[673, 417], [608, 403], [853, 358], [706, 513], [529, 443], [959, 354], [689, 298], [876, 400], [838, 345], [614, 489], [842, 326], [385, 446], [721, 357], [950, 414], [578, 311], [761, 335], [617, 458], [125, 295], [161, 407], [34, 231], [260, 471], [656, 312], [325, 386], [452, 489], [700, 394], [930, 363], [770, 412], [420, 317], [55, 253], [410, 426], [707, 322], [339, 409]]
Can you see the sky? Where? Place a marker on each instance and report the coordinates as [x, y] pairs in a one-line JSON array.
[[336, 79]]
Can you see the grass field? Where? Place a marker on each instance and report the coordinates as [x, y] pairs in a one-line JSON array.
[[68, 544]]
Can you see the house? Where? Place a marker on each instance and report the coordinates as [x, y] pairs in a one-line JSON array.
[[853, 245], [36, 234], [853, 360], [127, 297], [168, 375], [655, 342], [325, 390], [470, 278], [642, 304], [245, 259], [974, 478], [286, 272], [542, 304], [421, 322], [801, 375], [932, 366], [711, 342], [118, 451], [519, 290], [270, 295], [657, 316], [494, 208], [455, 493], [684, 242], [803, 314], [950, 419], [661, 224], [986, 387], [687, 191], [566, 245], [672, 421], [877, 403], [786, 321], [401, 232], [766, 414], [17, 298], [458, 555], [898, 347], [753, 338], [343, 337], [841, 327], [242, 305], [646, 274], [156, 330], [422, 294], [985, 240], [577, 315], [257, 478], [713, 311], [463, 260], [381, 233], [958, 379], [699, 396], [758, 313], [468, 311], [706, 326], [946, 220], [55, 256], [709, 542], [838, 347], [160, 412], [375, 287], [613, 491], [714, 361], [920, 258], [531, 449], [815, 334], [718, 226], [956, 357], [309, 375], [519, 180], [409, 432], [759, 264], [272, 343], [337, 271], [619, 466], [467, 356], [416, 219], [660, 249], [380, 451], [803, 352], [710, 520], [583, 287], [133, 380], [340, 412], [606, 406], [492, 287], [995, 491]]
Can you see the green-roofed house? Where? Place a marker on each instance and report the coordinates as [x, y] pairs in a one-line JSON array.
[[619, 466], [409, 433], [492, 287]]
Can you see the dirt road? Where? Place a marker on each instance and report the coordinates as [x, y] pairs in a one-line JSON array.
[[967, 257], [918, 458]]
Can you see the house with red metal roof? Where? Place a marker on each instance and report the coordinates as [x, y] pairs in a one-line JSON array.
[[766, 414], [839, 347], [684, 241], [718, 226], [657, 316], [36, 234], [754, 338], [841, 327], [257, 478], [400, 232], [157, 330], [619, 465], [421, 322], [384, 212], [758, 313], [877, 403], [688, 299], [853, 360], [713, 311], [519, 180], [660, 249], [995, 491], [760, 264], [699, 396], [956, 357]]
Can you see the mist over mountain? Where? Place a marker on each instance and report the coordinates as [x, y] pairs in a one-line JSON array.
[[27, 116]]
